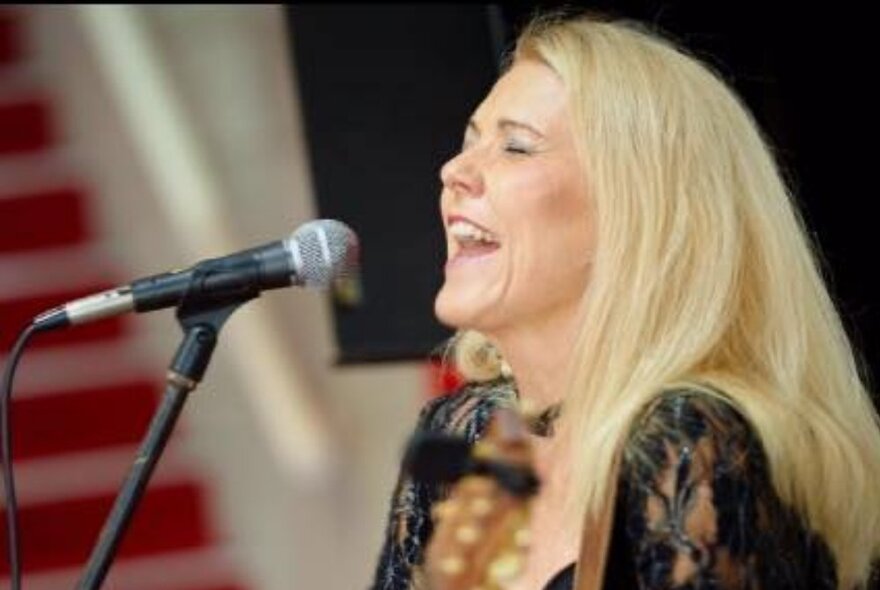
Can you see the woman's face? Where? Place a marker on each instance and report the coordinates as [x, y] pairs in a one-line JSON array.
[[516, 211]]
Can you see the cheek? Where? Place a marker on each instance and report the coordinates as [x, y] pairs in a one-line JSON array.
[[550, 207], [568, 210], [551, 229]]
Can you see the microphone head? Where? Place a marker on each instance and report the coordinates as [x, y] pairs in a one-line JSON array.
[[322, 251]]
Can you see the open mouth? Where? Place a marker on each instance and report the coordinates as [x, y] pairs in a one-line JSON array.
[[470, 240]]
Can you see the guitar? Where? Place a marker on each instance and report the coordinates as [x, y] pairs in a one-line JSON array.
[[481, 530]]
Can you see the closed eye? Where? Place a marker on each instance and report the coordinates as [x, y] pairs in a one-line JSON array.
[[514, 148]]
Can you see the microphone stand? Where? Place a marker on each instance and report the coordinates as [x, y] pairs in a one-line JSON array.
[[201, 322]]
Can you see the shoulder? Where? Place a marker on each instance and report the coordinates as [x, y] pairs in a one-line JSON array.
[[701, 510], [466, 411], [692, 412], [693, 481], [705, 426]]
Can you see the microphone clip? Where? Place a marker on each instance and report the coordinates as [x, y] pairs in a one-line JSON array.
[[204, 303]]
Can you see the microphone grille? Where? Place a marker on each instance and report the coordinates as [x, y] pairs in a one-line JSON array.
[[323, 250]]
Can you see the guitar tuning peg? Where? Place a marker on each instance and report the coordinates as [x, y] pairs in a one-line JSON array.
[[444, 509], [481, 506], [506, 567], [467, 534], [451, 565], [522, 538]]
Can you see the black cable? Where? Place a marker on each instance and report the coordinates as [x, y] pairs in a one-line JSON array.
[[8, 482]]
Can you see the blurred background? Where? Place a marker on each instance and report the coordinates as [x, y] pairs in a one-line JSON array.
[[137, 139]]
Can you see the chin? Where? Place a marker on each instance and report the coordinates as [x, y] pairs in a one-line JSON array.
[[447, 311], [454, 311], [461, 313]]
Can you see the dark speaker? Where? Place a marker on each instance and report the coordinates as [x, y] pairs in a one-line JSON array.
[[386, 92]]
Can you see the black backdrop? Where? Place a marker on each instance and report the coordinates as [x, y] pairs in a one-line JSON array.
[[387, 89], [384, 92]]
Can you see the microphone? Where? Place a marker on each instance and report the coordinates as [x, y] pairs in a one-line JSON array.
[[313, 256]]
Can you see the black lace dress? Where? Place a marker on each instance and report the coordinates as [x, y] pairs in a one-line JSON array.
[[695, 509]]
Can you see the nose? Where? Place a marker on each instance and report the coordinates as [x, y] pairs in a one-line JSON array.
[[462, 175]]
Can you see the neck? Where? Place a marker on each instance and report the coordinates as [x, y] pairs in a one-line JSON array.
[[539, 354]]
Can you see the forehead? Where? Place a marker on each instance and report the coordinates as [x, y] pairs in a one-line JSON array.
[[530, 91]]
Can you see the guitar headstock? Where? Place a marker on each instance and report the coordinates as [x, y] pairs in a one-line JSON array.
[[481, 530]]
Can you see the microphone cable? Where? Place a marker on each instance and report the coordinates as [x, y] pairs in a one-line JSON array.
[[12, 549]]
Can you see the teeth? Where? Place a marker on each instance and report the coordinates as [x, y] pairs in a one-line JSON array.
[[463, 230]]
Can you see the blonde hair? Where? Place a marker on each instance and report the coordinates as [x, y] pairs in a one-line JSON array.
[[703, 277]]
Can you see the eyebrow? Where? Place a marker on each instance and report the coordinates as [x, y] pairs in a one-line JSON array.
[[506, 123]]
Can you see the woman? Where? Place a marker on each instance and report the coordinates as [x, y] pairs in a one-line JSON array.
[[619, 234]]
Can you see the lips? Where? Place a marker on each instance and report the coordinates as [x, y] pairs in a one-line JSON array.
[[469, 239], [464, 228]]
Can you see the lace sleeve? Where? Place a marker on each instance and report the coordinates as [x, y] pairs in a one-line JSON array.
[[409, 525], [696, 483]]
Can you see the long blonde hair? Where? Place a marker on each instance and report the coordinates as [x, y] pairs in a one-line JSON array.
[[704, 276]]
